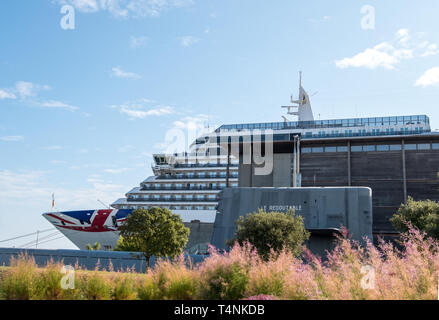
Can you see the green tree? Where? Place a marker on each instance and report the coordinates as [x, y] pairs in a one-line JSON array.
[[424, 215], [268, 231], [153, 232], [96, 246]]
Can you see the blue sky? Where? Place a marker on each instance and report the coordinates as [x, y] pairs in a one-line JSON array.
[[82, 110]]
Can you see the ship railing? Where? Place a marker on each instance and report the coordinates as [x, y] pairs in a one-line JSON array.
[[171, 200]]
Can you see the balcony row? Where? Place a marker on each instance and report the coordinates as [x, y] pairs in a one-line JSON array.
[[175, 198], [199, 175]]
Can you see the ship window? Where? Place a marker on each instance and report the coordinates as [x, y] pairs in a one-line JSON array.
[[435, 146], [317, 149], [369, 148], [306, 150], [356, 148], [330, 149], [342, 149], [424, 146], [382, 148], [395, 147], [211, 208], [410, 146]]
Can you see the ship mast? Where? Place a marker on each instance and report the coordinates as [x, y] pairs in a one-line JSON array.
[[301, 107]]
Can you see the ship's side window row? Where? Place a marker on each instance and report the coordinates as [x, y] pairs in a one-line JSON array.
[[200, 175], [372, 148], [173, 207], [177, 197], [402, 120], [188, 186]]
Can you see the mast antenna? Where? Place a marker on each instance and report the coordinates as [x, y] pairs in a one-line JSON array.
[[105, 205]]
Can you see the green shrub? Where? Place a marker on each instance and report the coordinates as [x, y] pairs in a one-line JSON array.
[[147, 289], [124, 287], [225, 283], [423, 215], [95, 286], [271, 232], [18, 281], [48, 283]]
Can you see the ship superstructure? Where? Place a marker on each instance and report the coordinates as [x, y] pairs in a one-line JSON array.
[[186, 183]]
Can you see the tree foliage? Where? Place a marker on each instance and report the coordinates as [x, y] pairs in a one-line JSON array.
[[153, 232], [268, 231], [95, 247], [423, 215]]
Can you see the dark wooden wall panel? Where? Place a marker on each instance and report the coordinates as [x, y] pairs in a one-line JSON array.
[[381, 171], [327, 169]]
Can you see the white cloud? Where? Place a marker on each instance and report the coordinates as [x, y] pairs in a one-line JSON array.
[[431, 50], [34, 185], [12, 138], [26, 91], [137, 42], [29, 89], [187, 41], [403, 37], [22, 89], [119, 73], [4, 94], [389, 54], [126, 8], [83, 5], [370, 58], [56, 104], [192, 123], [140, 109], [140, 114], [429, 78], [183, 134]]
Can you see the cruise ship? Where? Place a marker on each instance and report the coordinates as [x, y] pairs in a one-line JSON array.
[[396, 156]]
